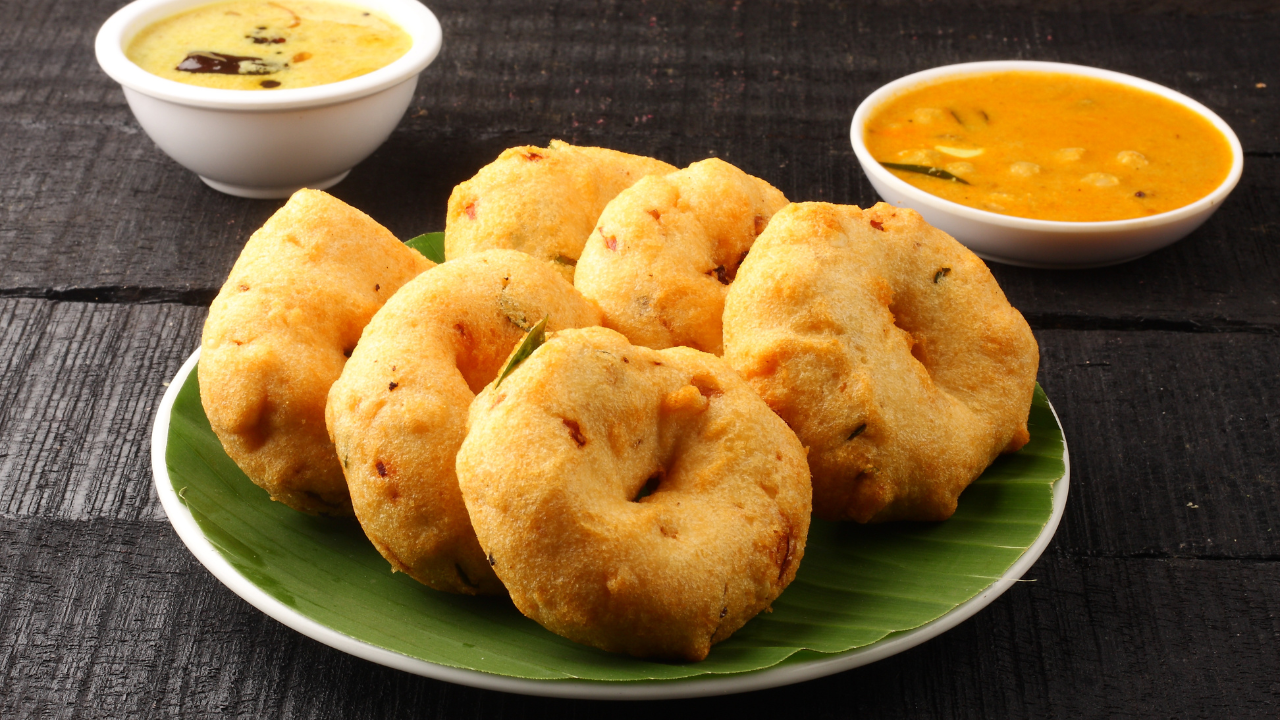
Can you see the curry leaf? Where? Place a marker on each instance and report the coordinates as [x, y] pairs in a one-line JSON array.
[[925, 170], [532, 341]]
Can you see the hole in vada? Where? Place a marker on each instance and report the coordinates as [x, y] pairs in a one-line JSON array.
[[651, 485], [611, 242], [858, 431], [940, 274], [575, 431], [470, 210], [346, 352], [878, 225], [381, 468]]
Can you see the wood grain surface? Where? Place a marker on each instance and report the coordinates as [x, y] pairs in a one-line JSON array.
[[1159, 596]]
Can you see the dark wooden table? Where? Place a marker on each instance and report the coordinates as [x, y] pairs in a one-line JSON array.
[[1160, 595]]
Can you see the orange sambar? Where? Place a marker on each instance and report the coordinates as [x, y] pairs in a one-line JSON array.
[[1049, 146]]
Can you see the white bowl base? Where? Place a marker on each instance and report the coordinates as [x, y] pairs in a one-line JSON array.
[[268, 193]]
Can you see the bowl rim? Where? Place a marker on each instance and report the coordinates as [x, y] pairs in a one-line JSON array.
[[872, 167], [412, 16]]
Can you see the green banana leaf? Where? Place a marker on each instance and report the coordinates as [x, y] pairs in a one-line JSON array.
[[431, 245], [856, 585]]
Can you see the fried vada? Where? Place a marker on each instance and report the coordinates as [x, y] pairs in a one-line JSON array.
[[399, 412], [279, 333], [640, 501], [666, 250], [541, 201], [890, 350]]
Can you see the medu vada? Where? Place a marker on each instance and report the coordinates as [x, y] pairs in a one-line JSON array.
[[279, 333], [665, 251], [890, 350], [640, 501], [399, 412], [541, 201]]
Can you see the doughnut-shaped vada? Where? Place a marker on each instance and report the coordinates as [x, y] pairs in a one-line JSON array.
[[399, 412], [665, 251], [890, 350], [279, 333], [541, 201], [640, 501]]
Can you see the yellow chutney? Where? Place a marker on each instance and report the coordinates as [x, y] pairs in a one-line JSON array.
[[1049, 146], [268, 45]]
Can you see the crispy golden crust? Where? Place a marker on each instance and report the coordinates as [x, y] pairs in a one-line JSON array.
[[554, 461], [541, 201], [399, 411], [890, 350], [665, 251], [296, 300]]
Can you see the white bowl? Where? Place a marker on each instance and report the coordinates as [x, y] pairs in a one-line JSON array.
[[268, 144], [1043, 243]]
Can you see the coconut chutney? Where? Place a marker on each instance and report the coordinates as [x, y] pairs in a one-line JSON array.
[[254, 45]]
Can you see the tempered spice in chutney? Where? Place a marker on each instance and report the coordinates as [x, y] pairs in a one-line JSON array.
[[254, 45], [1049, 146]]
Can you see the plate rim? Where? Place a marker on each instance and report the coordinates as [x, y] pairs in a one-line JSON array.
[[784, 673]]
